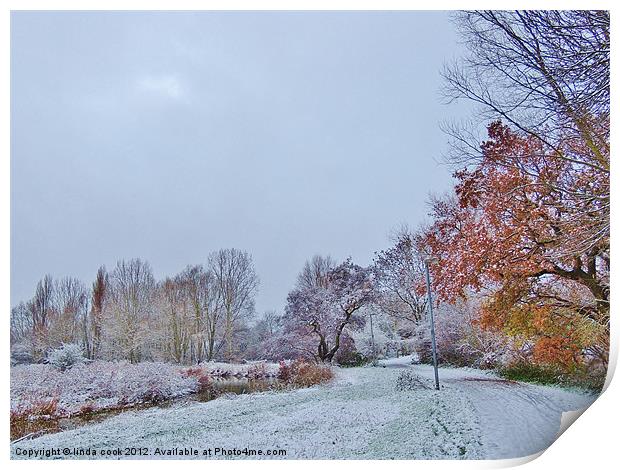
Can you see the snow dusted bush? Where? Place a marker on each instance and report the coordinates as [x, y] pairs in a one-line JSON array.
[[257, 371], [21, 422], [460, 339], [66, 356], [97, 386], [408, 380], [204, 382], [299, 373], [375, 341], [21, 354], [347, 354]]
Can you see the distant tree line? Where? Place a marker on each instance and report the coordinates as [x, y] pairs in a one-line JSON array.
[[197, 315]]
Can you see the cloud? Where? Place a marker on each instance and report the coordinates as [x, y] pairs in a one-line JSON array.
[[164, 85]]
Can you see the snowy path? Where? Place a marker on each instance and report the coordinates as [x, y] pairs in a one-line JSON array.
[[360, 415], [516, 419]]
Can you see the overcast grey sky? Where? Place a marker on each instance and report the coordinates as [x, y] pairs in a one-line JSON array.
[[166, 136]]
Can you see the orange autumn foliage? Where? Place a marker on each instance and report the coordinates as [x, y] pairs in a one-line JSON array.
[[516, 231]]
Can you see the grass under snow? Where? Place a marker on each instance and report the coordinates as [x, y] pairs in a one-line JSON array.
[[360, 415]]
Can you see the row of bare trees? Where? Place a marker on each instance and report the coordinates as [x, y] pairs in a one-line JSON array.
[[194, 316], [57, 313]]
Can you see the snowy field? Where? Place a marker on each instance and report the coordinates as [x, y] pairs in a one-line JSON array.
[[360, 415]]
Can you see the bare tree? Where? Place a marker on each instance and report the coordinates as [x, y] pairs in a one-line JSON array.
[[175, 312], [186, 318], [544, 72], [237, 283], [315, 271], [21, 323], [206, 302], [42, 308], [399, 276], [264, 338], [129, 309], [99, 292], [70, 308], [272, 321]]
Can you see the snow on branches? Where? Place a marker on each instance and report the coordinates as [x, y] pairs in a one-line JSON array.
[[317, 312]]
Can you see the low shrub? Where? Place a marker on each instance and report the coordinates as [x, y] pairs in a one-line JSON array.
[[355, 359], [257, 371], [27, 419], [284, 372], [88, 408], [408, 380], [20, 425], [204, 382], [66, 356], [42, 408], [300, 373]]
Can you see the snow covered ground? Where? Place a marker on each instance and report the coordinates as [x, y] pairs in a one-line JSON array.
[[101, 385], [98, 385], [358, 416], [516, 419]]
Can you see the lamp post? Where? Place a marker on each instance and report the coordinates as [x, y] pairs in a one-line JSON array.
[[372, 339], [430, 311]]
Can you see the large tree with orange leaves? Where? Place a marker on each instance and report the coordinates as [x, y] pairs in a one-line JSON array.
[[531, 231], [529, 221]]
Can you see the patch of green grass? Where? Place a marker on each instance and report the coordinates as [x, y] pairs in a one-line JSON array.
[[354, 360], [547, 375]]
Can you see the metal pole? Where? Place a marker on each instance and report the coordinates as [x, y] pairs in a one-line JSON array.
[[430, 311], [372, 339]]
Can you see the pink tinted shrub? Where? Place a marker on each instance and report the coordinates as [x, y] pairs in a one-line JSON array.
[[204, 382]]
